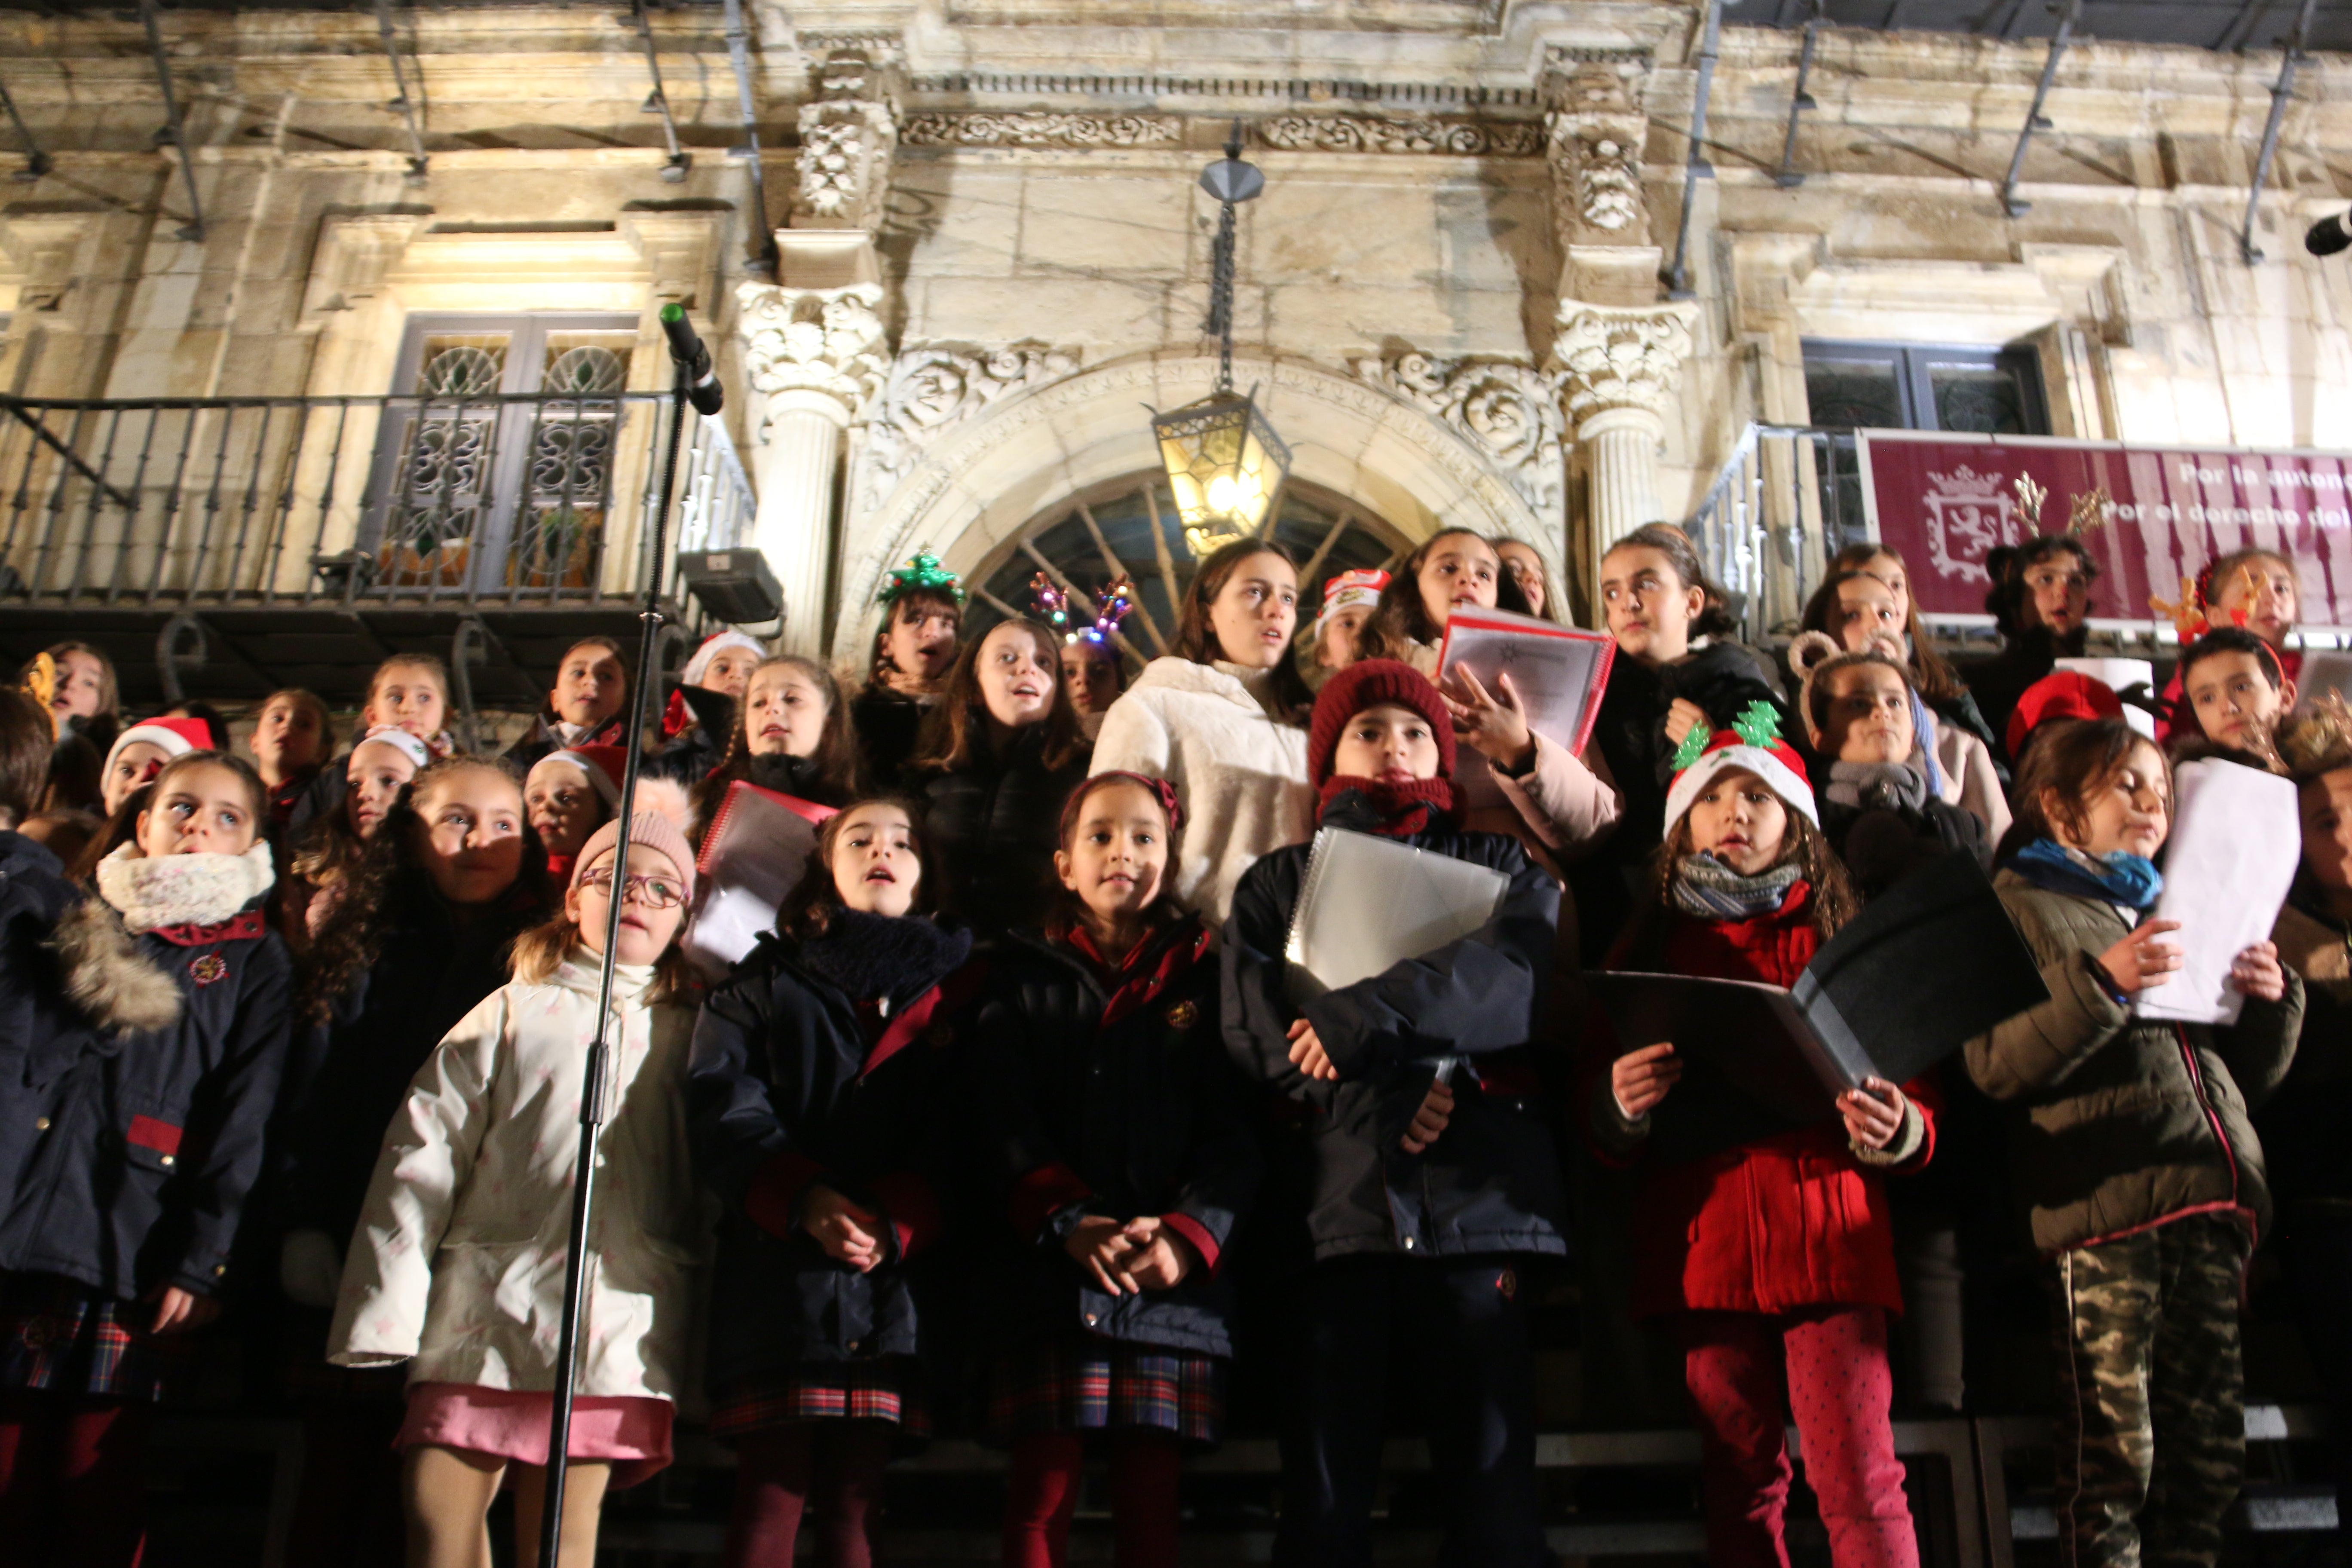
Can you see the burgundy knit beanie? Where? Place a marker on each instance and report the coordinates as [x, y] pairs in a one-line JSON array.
[[1369, 684]]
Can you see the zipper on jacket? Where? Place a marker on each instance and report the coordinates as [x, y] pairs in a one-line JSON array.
[[2213, 1120]]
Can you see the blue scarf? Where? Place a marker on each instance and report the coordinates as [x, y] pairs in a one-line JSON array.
[[2121, 878]]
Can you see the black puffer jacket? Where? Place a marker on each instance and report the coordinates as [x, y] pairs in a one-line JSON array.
[[1492, 1183], [2303, 1125], [827, 1062], [1722, 678], [888, 726], [350, 1074], [134, 1106], [993, 823], [691, 754], [1112, 1097]]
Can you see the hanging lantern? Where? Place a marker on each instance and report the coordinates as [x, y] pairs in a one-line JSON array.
[[1226, 467], [1225, 462]]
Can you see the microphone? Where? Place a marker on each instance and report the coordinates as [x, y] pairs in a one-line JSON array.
[[2328, 235], [702, 386]]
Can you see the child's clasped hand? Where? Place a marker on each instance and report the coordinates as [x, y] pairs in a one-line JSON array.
[[847, 1231], [1130, 1257]]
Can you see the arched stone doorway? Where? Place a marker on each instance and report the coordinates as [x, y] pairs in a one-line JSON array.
[[1084, 542], [979, 487]]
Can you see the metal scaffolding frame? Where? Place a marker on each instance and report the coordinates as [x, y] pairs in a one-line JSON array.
[[403, 100], [1695, 165], [2035, 118], [1787, 175], [739, 56], [174, 129], [657, 100], [37, 162]]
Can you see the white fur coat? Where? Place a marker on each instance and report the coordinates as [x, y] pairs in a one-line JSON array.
[[1239, 770]]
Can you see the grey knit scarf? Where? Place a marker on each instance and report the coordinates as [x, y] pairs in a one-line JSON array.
[[1706, 887]]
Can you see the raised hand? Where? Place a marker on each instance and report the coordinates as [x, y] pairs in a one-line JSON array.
[[1494, 724]]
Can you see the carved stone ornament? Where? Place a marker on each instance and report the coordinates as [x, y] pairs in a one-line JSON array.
[[1608, 182], [1402, 133], [1041, 129], [823, 344], [1622, 357], [930, 391], [847, 134], [1596, 127], [1510, 413]]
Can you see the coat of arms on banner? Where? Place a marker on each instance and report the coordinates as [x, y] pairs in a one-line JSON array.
[[1968, 515]]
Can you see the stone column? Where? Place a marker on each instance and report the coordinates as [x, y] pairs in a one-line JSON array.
[[814, 359], [1620, 363]]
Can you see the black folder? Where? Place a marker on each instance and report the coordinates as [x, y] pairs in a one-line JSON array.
[[1928, 965]]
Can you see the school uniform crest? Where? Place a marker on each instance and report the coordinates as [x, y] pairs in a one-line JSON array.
[[208, 968], [1184, 1016]]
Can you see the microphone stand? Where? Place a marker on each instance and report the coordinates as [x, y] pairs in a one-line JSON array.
[[595, 1085]]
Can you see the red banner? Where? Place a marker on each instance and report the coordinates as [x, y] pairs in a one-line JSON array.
[[1946, 501]]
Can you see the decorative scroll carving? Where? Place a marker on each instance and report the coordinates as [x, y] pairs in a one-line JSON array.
[[1622, 357], [1041, 129], [848, 132], [927, 391], [1509, 412], [1402, 133], [818, 347]]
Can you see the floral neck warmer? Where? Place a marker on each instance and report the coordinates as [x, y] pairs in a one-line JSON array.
[[154, 892]]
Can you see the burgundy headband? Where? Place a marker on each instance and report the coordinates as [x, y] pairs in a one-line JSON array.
[[1160, 789]]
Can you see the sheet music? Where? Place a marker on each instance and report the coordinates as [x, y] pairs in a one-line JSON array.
[[752, 860], [1370, 903], [2236, 839], [1558, 670]]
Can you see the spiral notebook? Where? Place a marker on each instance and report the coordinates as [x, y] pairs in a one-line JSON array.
[[752, 857], [1370, 903]]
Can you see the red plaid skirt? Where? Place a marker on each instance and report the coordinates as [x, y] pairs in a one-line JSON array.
[[56, 1335], [1066, 1385], [879, 1389]]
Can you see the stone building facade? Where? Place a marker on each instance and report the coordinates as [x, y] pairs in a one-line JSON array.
[[983, 252]]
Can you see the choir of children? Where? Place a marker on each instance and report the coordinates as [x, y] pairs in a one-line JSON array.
[[970, 1137]]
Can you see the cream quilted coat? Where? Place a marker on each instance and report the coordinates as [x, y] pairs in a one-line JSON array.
[[457, 1263]]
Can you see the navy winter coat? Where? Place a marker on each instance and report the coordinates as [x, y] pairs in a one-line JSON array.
[[354, 1069], [1110, 1097], [1492, 1183], [132, 1123], [801, 1076], [995, 823]]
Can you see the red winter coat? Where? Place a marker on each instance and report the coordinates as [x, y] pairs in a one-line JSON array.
[[1791, 1221]]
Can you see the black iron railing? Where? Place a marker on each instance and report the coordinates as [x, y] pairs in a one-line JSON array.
[[510, 500]]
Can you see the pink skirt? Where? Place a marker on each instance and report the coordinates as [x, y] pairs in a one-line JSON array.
[[631, 1433]]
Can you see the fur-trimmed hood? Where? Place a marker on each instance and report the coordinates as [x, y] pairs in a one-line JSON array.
[[114, 983]]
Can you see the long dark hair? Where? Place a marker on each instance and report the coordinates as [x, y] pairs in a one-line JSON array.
[[1713, 618], [809, 910], [958, 724], [1066, 912], [1936, 681], [880, 667], [836, 750], [1834, 900], [1196, 638], [1402, 618], [388, 873]]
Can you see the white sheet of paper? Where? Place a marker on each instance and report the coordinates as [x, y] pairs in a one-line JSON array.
[[1553, 668], [1371, 903], [2236, 839], [2120, 675]]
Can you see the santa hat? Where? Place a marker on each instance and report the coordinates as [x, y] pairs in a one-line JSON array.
[[602, 765], [178, 737], [1348, 591], [1753, 742], [2067, 694], [1370, 684], [648, 830], [400, 740], [677, 716]]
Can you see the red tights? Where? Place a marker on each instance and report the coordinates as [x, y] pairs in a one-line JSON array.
[[71, 1475], [833, 1469], [1042, 1492]]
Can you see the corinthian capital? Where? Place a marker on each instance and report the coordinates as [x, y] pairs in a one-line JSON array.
[[818, 349], [1621, 356]]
